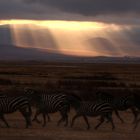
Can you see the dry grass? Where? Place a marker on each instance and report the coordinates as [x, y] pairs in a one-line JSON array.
[[83, 79], [61, 77]]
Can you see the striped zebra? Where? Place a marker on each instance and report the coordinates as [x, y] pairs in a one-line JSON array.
[[119, 104], [86, 108], [49, 103], [137, 105], [12, 104]]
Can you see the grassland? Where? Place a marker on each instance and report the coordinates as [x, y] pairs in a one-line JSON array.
[[82, 79]]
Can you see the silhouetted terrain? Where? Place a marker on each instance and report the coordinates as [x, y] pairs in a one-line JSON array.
[[11, 52]]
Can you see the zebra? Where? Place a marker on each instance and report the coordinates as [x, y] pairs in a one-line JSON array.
[[137, 105], [12, 104], [119, 104], [49, 103], [87, 108]]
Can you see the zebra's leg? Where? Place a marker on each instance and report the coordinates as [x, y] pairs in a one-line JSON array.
[[135, 113], [118, 115], [58, 123], [86, 120], [101, 121], [4, 120], [74, 118], [26, 116], [66, 120], [67, 110], [44, 118], [136, 124], [109, 118], [35, 117], [49, 119], [61, 120], [64, 113], [64, 117]]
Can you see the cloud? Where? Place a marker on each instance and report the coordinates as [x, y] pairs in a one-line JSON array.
[[93, 7], [103, 46], [125, 42], [134, 35], [18, 9], [116, 11], [109, 41]]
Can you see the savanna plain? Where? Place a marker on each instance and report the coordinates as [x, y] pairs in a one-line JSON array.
[[82, 79]]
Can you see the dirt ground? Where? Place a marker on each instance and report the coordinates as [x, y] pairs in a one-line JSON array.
[[78, 132]]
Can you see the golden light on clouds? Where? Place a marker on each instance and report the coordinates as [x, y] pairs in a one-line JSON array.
[[67, 37], [69, 25]]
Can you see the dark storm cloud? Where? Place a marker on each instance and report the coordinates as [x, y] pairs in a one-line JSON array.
[[134, 35], [99, 10], [93, 7], [13, 9], [17, 9]]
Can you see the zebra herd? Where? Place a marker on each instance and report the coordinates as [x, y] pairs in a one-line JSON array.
[[45, 104]]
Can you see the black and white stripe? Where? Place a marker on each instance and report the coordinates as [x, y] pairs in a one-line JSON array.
[[50, 103], [118, 103], [87, 108], [12, 104]]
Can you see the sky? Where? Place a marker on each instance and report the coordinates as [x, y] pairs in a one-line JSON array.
[[73, 27]]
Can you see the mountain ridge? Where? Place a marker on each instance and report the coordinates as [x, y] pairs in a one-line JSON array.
[[12, 52]]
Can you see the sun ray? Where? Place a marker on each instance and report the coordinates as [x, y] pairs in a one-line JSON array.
[[68, 37]]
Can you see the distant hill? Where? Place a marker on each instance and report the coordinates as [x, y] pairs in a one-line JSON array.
[[11, 52]]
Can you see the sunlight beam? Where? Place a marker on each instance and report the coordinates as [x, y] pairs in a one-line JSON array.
[[79, 38]]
